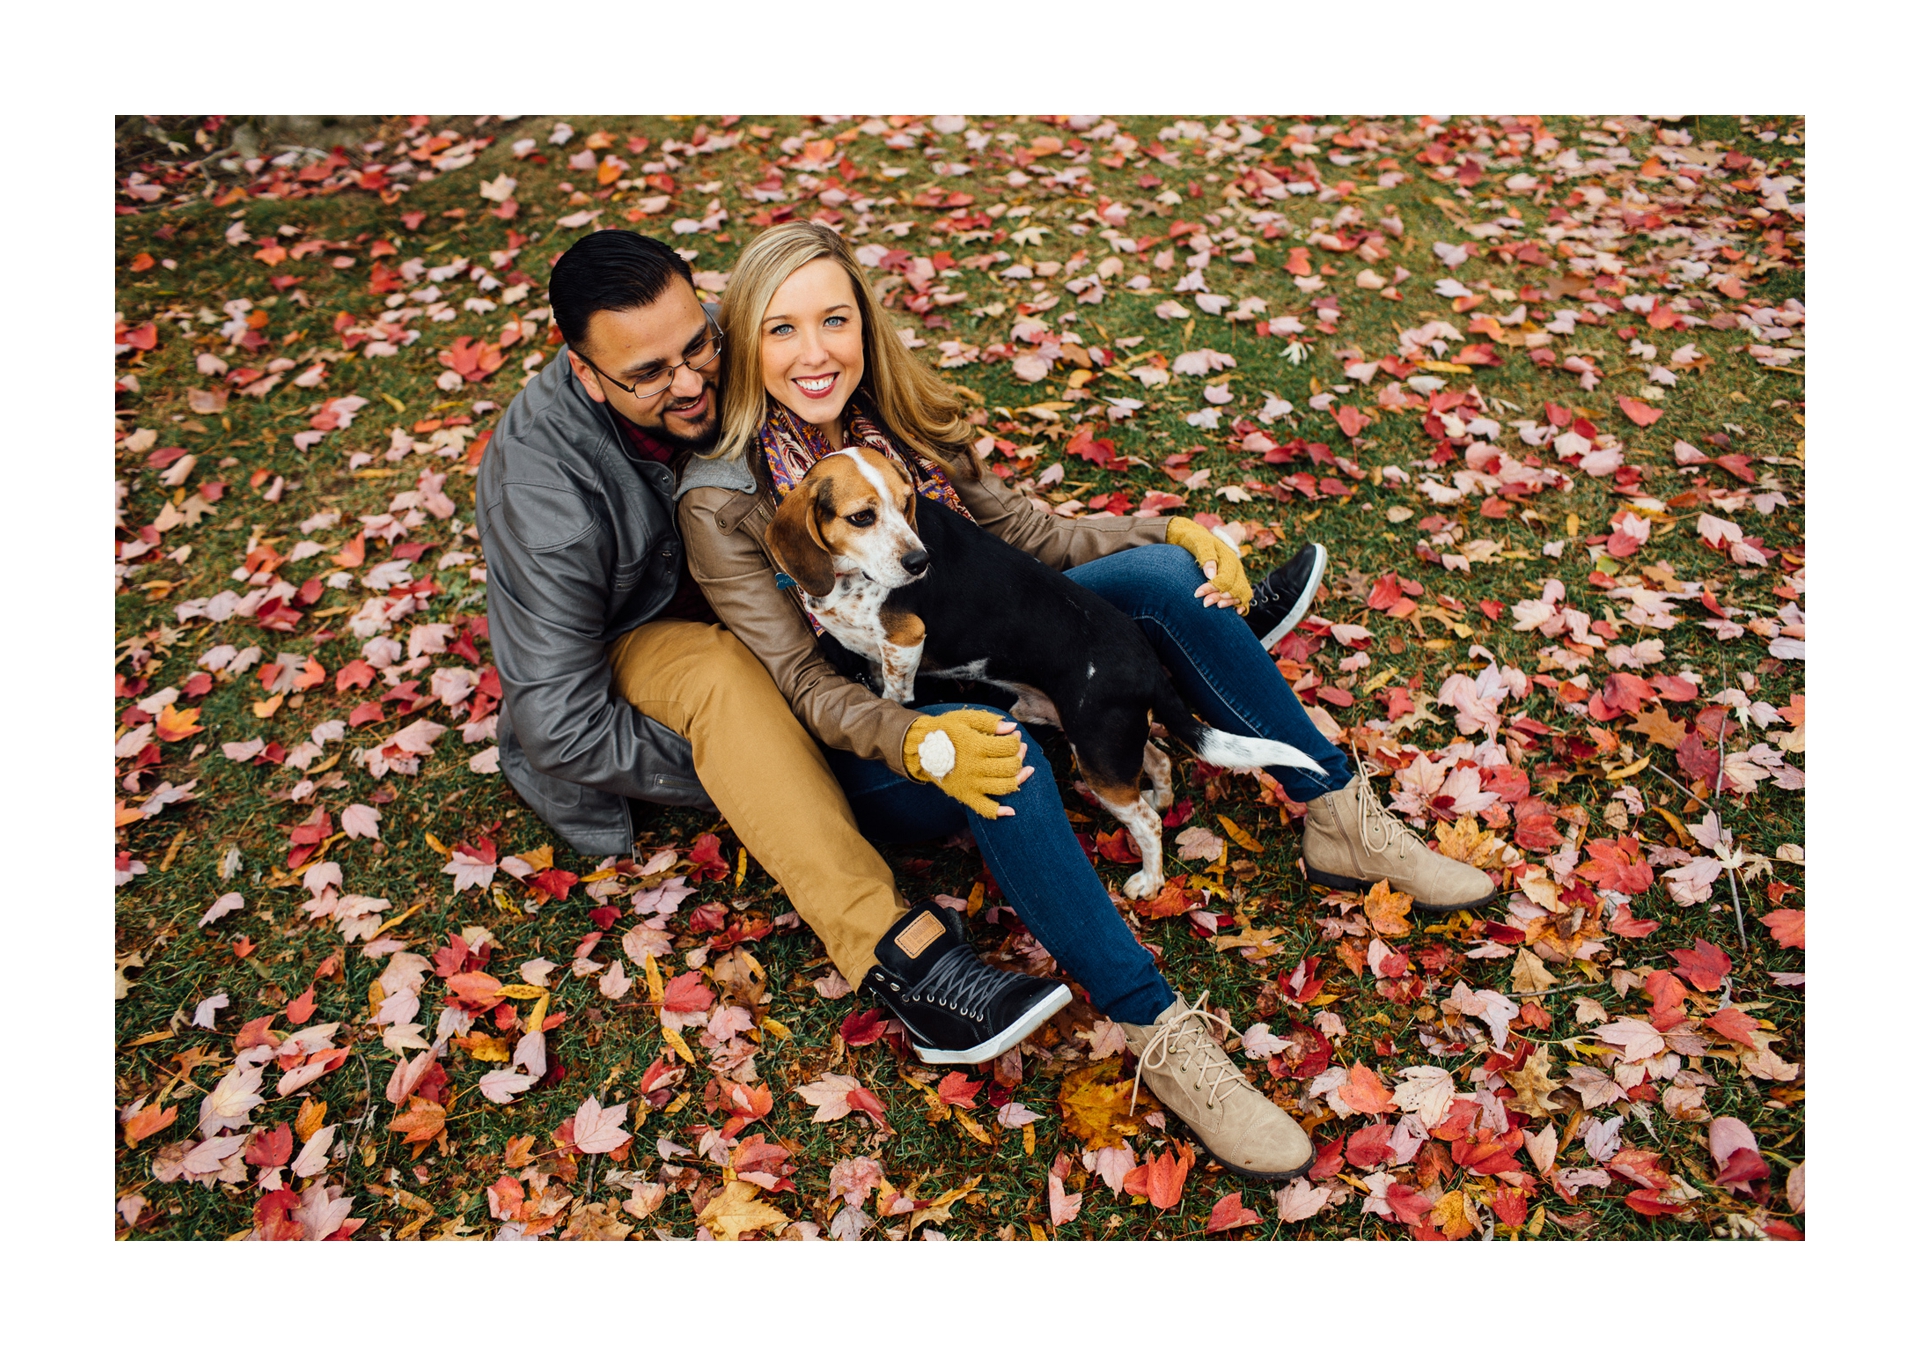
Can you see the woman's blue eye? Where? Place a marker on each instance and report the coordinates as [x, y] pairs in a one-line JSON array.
[[836, 320], [780, 331]]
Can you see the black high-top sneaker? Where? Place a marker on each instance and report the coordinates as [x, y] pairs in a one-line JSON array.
[[1286, 595], [957, 1009]]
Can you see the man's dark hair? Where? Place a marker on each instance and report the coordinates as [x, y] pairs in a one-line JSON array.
[[610, 271]]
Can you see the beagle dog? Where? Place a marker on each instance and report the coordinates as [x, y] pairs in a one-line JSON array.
[[911, 587]]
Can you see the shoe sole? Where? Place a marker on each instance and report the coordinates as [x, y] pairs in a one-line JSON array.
[[1303, 604], [1333, 882], [1253, 1174], [1029, 1023]]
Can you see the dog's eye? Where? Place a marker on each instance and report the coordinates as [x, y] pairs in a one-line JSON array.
[[864, 518]]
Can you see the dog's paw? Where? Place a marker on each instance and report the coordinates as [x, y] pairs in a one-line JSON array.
[[1143, 885], [1160, 800]]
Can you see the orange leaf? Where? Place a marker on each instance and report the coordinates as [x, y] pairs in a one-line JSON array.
[[175, 725], [1365, 1092], [475, 988], [1640, 412], [1387, 910], [1788, 926], [149, 1120], [421, 1120], [1172, 900], [1167, 1176], [301, 1008]]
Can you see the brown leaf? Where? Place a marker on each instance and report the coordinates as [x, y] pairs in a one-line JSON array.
[[1533, 1086], [1654, 723]]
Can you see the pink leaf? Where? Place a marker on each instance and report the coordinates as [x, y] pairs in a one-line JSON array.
[[361, 821], [596, 1130]]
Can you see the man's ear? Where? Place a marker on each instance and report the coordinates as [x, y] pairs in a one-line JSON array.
[[794, 542], [589, 379]]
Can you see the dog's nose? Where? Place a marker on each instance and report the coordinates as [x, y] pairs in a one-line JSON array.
[[915, 561]]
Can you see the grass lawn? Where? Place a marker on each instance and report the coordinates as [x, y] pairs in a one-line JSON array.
[[1537, 386]]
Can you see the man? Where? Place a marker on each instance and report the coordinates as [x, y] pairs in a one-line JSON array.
[[619, 684]]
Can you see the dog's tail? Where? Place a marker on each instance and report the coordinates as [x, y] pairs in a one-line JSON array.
[[1241, 753]]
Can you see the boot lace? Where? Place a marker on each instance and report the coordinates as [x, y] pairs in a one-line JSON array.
[[1186, 1044], [1376, 821], [960, 982]]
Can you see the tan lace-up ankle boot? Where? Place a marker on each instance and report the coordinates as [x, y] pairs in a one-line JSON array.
[[1353, 840], [1184, 1066]]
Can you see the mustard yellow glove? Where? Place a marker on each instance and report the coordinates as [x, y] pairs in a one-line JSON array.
[[1227, 575], [967, 755]]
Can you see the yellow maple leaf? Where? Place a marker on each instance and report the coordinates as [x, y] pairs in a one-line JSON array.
[[1094, 1104], [1465, 841], [493, 1049], [738, 1209], [1454, 1216]]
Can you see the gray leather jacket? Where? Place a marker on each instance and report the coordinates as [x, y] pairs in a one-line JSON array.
[[580, 548]]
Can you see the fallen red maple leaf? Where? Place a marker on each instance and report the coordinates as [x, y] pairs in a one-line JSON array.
[[863, 1028], [956, 1089], [1229, 1213], [1704, 966], [707, 861]]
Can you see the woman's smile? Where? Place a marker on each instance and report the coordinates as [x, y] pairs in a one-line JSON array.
[[817, 388]]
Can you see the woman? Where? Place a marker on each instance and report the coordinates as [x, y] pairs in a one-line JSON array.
[[811, 366]]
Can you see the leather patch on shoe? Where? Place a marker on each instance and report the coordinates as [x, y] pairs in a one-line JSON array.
[[918, 935]]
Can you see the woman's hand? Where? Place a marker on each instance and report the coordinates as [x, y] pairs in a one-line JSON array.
[[969, 754], [1227, 584]]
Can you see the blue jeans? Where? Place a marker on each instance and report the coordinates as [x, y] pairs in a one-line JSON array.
[[1036, 861], [1218, 665], [1215, 659]]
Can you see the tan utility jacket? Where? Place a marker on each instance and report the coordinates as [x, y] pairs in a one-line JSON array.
[[725, 531]]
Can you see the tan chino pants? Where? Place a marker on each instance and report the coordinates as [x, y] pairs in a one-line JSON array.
[[767, 777]]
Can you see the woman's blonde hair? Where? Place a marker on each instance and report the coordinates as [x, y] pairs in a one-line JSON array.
[[909, 401]]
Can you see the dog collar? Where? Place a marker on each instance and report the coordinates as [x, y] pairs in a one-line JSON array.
[[783, 580]]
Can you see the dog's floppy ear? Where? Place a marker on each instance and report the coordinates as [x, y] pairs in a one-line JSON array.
[[794, 542]]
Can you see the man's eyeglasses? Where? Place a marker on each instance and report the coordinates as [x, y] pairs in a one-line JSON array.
[[655, 378]]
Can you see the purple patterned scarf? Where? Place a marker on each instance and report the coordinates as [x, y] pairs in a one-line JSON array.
[[791, 446]]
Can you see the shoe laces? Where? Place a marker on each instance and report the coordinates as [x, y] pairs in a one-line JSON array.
[[1186, 1045], [960, 982], [1376, 819]]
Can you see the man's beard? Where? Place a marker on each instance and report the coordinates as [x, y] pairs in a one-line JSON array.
[[702, 443]]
